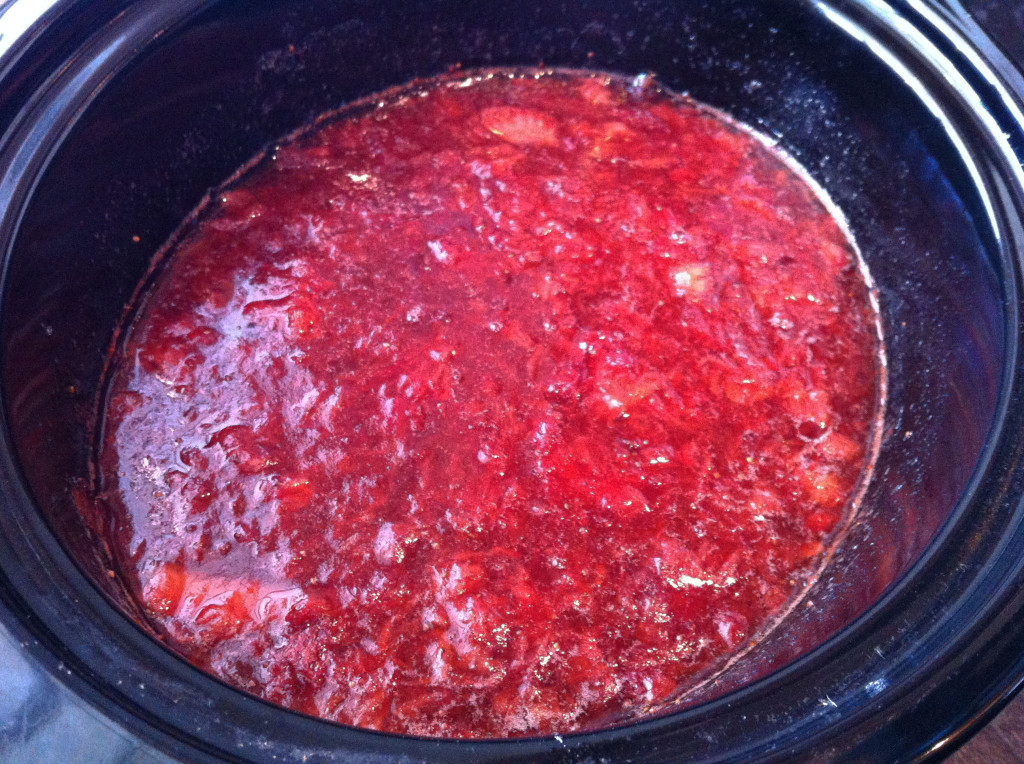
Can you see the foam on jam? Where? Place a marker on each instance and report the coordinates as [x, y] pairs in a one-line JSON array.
[[513, 404]]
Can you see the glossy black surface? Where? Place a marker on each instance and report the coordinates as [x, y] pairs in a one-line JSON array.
[[888, 113]]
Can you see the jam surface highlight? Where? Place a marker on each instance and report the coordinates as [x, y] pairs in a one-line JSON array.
[[515, 404]]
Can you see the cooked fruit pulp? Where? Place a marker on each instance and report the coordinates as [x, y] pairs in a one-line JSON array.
[[515, 404]]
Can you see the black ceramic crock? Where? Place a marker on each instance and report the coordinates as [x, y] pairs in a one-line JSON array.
[[118, 117]]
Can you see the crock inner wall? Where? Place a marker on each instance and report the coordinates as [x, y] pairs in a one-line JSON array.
[[200, 99]]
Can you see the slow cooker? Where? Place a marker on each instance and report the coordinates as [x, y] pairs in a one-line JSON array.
[[119, 117]]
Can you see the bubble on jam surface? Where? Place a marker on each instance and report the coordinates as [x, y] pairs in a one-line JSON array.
[[512, 408]]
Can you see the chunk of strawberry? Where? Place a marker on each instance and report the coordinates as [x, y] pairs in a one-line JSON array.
[[597, 91], [295, 495], [838, 448], [162, 591], [625, 502], [823, 486], [524, 127]]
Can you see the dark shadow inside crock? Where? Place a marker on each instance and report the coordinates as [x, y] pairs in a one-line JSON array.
[[199, 101]]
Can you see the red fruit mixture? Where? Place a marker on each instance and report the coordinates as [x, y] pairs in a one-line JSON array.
[[513, 404]]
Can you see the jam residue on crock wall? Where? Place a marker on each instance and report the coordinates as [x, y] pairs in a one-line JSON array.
[[506, 403]]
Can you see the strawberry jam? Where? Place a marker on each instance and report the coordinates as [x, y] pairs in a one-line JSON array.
[[504, 404]]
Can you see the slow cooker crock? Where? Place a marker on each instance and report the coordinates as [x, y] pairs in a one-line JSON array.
[[119, 117]]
